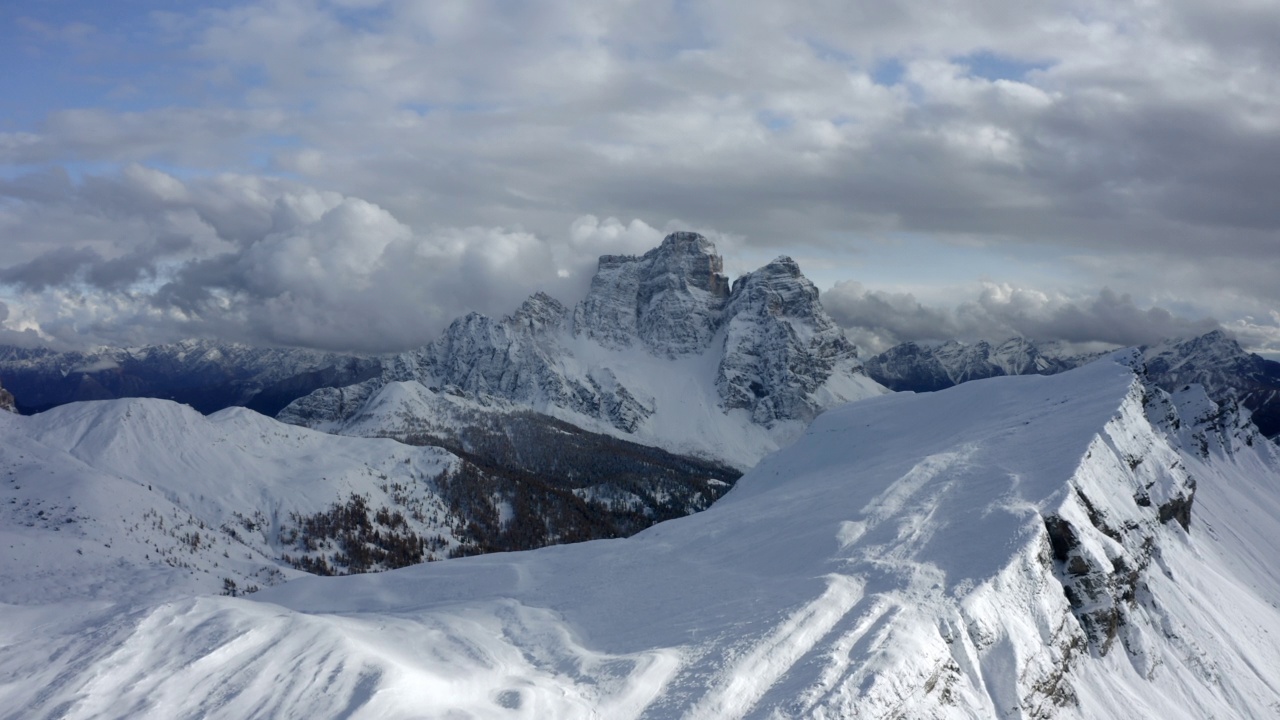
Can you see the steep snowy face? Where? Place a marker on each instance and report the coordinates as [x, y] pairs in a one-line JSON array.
[[780, 346], [669, 299]]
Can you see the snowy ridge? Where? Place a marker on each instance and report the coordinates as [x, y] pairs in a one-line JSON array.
[[1009, 548]]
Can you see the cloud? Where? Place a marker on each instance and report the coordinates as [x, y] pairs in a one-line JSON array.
[[276, 262], [347, 155], [880, 319]]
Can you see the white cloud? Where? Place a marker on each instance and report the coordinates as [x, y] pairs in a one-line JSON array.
[[998, 311]]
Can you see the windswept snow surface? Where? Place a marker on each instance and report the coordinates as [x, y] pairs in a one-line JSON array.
[[894, 562]]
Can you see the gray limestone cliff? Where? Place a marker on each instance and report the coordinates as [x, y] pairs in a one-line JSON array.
[[780, 346], [773, 345], [669, 300]]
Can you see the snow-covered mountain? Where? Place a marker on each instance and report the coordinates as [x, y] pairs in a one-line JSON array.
[[1082, 545], [662, 351], [6, 401], [109, 491], [205, 374], [1214, 360]]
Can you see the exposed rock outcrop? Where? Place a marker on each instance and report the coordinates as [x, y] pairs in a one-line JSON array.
[[669, 299], [780, 346], [6, 401]]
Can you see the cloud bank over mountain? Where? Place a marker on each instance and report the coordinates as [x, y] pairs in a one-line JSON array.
[[880, 319]]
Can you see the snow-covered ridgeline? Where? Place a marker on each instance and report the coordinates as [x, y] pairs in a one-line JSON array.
[[1007, 548]]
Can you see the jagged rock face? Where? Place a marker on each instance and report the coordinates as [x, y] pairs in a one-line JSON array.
[[909, 367], [780, 346], [6, 401], [1227, 372], [1102, 545], [328, 405], [669, 299], [519, 358]]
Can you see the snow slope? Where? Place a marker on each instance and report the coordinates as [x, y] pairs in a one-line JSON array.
[[148, 497], [1009, 548]]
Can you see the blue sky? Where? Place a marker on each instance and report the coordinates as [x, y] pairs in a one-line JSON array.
[[354, 173]]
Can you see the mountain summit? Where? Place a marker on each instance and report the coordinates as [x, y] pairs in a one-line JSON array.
[[670, 299], [662, 350]]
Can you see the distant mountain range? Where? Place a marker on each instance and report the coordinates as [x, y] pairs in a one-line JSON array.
[[1214, 360], [662, 351], [204, 374]]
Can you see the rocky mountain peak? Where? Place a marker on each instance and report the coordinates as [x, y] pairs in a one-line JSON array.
[[1212, 359], [686, 260], [783, 290], [780, 345], [669, 299], [540, 312], [777, 354]]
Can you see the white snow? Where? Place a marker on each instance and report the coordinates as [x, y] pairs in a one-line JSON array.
[[892, 562], [137, 496]]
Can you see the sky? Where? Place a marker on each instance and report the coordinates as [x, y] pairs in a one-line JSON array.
[[354, 174]]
